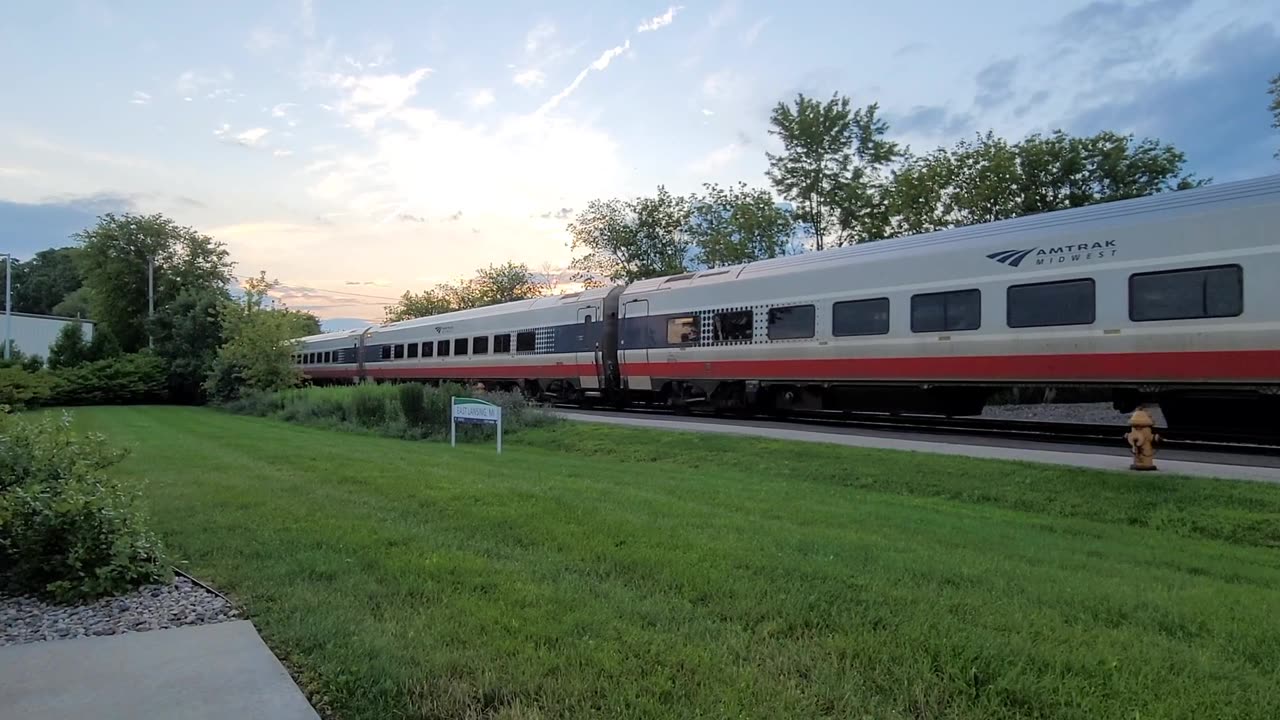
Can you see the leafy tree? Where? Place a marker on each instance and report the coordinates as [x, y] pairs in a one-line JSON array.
[[70, 348], [988, 178], [490, 286], [416, 305], [103, 346], [75, 304], [187, 334], [1274, 91], [115, 255], [734, 225], [504, 283], [629, 240], [258, 346], [44, 281], [833, 167]]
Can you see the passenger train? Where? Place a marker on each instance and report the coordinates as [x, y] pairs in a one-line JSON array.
[[1172, 298]]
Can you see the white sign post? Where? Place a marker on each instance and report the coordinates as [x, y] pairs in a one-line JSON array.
[[473, 410]]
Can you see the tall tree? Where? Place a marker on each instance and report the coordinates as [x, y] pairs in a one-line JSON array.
[[734, 225], [1274, 91], [629, 240], [187, 332], [44, 281], [114, 258], [259, 341], [70, 348], [834, 166]]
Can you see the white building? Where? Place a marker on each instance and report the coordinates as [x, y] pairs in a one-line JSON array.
[[35, 334]]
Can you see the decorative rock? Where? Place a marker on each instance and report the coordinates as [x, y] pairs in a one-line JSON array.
[[26, 619]]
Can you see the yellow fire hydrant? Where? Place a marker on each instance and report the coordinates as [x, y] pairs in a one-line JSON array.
[[1142, 440]]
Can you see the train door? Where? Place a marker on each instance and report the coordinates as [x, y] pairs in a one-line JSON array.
[[634, 360], [589, 360]]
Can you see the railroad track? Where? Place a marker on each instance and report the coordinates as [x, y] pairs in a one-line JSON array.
[[1107, 435]]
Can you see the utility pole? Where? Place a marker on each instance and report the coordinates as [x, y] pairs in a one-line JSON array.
[[8, 304], [151, 297]]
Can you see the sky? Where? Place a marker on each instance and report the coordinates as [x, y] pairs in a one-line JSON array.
[[357, 150]]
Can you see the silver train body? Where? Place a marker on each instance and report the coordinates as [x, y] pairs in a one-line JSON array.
[[1172, 298]]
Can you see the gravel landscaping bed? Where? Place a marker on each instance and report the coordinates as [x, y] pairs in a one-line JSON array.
[[153, 607], [1100, 413]]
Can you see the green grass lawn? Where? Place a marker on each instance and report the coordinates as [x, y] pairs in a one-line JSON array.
[[602, 572]]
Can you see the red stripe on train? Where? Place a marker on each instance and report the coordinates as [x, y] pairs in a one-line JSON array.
[[1140, 367], [1238, 365]]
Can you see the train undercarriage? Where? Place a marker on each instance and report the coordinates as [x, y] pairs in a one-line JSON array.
[[1248, 410]]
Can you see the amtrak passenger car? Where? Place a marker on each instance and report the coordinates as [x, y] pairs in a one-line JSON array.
[[1172, 298]]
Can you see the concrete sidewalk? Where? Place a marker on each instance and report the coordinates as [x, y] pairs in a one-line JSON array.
[[203, 672]]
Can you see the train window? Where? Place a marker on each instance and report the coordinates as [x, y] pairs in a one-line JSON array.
[[412, 350], [442, 348], [502, 343], [946, 311], [1067, 302], [1187, 294], [731, 326], [682, 330], [791, 323], [399, 352], [459, 346], [860, 317], [328, 357], [428, 349], [385, 352], [480, 345], [526, 341]]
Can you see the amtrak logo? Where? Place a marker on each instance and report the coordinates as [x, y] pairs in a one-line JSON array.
[[1078, 252], [1012, 258]]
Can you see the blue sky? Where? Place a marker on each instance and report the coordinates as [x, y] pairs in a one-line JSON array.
[[358, 150]]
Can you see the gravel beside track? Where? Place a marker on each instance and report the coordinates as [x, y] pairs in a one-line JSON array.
[[1090, 413], [153, 607]]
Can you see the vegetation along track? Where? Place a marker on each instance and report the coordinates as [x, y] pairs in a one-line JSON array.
[[1077, 433]]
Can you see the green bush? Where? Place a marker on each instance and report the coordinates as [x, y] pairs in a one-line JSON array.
[[123, 380], [410, 410], [22, 389], [413, 404], [68, 530]]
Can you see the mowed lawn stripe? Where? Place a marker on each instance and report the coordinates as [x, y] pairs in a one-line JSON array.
[[607, 572]]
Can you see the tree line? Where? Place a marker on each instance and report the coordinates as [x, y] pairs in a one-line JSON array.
[[209, 342]]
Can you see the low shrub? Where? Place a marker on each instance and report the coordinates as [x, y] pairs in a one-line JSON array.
[[68, 530], [122, 380], [410, 410]]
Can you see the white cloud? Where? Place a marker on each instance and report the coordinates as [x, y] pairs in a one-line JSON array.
[[248, 138], [529, 78], [480, 98], [282, 153], [282, 110], [599, 64], [716, 159], [192, 82], [370, 97], [538, 36], [661, 21], [140, 98], [252, 136], [707, 112], [721, 85]]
